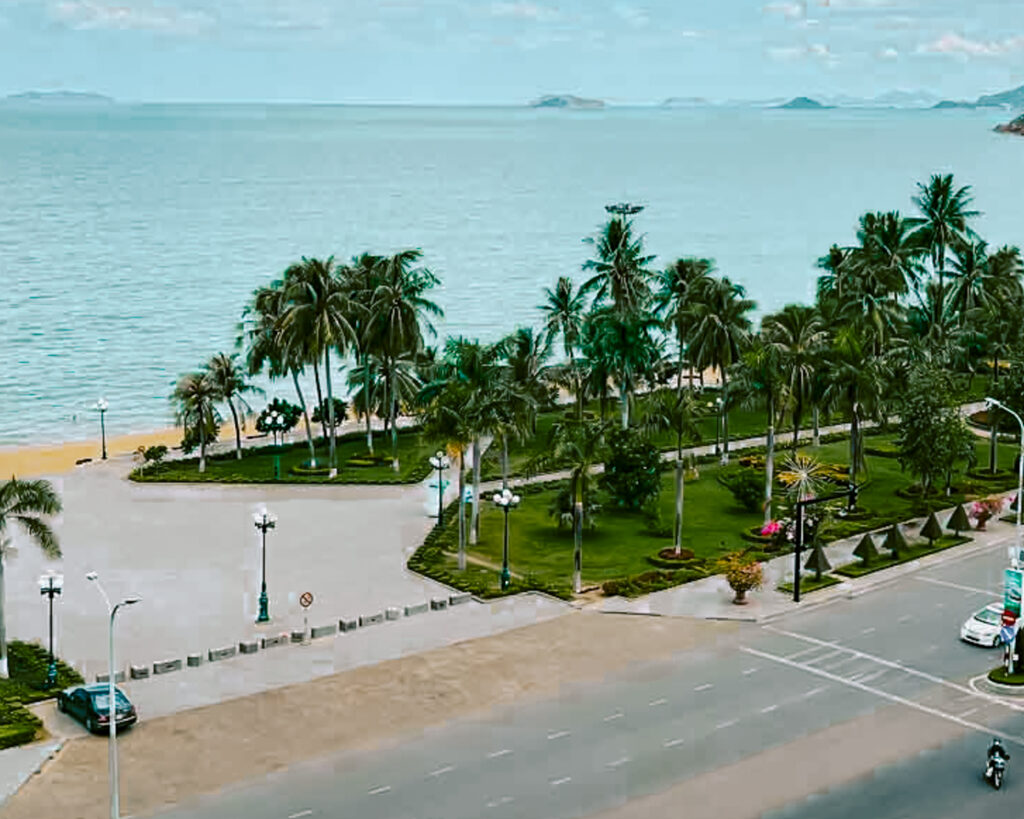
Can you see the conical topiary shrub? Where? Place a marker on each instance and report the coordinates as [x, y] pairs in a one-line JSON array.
[[958, 521], [894, 541], [817, 562], [866, 550], [931, 529]]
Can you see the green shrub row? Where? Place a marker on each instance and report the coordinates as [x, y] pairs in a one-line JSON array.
[[648, 582]]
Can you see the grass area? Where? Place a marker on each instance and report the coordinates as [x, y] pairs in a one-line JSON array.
[[809, 584], [27, 664], [999, 675], [257, 463], [915, 551]]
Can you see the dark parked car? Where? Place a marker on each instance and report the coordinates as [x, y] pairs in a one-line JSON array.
[[89, 704]]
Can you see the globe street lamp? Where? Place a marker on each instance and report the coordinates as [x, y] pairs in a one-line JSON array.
[[992, 402], [101, 407], [51, 585], [276, 424], [115, 807], [506, 501], [440, 462], [264, 521], [716, 405]]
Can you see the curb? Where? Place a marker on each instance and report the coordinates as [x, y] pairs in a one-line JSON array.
[[982, 683], [24, 775]]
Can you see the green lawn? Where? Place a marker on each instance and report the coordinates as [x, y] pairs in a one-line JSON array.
[[808, 584], [257, 463]]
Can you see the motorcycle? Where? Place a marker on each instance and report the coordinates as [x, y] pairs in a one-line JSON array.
[[995, 771]]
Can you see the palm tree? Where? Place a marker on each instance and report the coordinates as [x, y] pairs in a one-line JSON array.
[[676, 285], [195, 397], [760, 376], [677, 412], [319, 310], [361, 279], [720, 331], [797, 333], [399, 312], [580, 445], [620, 267], [229, 380], [563, 316], [944, 221], [628, 349], [26, 503]]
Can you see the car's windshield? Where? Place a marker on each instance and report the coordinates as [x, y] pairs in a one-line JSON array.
[[988, 617], [101, 702]]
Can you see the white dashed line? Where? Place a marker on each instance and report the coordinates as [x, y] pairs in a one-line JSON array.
[[868, 630], [661, 701], [381, 789], [502, 752], [440, 771], [968, 712], [727, 724], [672, 743], [495, 802], [973, 589], [817, 690], [903, 619], [616, 715], [558, 735], [556, 782], [704, 687], [618, 762], [747, 671], [300, 814], [769, 709]]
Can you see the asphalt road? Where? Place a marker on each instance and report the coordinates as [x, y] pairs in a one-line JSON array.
[[597, 746]]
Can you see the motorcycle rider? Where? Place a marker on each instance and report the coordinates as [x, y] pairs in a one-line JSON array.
[[996, 749]]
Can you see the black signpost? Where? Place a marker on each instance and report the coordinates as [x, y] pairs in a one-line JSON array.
[[850, 494]]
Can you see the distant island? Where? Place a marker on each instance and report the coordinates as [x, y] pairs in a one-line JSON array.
[[59, 98], [1014, 98], [803, 104], [1015, 126], [566, 101]]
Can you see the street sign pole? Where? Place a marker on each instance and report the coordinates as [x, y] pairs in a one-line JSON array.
[[305, 600]]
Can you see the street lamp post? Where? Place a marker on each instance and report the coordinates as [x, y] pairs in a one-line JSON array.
[[264, 521], [716, 405], [440, 462], [276, 424], [992, 402], [101, 408], [506, 501], [115, 799], [51, 585]]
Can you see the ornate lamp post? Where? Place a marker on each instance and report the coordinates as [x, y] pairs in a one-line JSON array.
[[51, 585], [264, 521], [506, 502], [101, 408], [115, 798], [440, 462], [276, 424], [992, 402], [716, 405]]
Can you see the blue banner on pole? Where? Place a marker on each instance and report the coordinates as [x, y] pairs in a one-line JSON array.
[[1006, 634]]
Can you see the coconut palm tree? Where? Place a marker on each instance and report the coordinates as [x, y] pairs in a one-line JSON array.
[[629, 350], [677, 412], [361, 278], [760, 377], [620, 267], [720, 331], [195, 397], [797, 332], [563, 312], [229, 380], [319, 310], [27, 504], [676, 284]]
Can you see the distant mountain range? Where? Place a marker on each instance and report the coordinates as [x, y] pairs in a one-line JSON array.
[[803, 104], [1014, 98], [566, 101], [57, 98]]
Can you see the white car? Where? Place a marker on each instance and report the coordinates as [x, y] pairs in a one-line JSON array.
[[982, 628]]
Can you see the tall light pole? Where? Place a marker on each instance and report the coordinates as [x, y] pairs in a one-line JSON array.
[[716, 405], [115, 798], [101, 408], [506, 502], [51, 585], [440, 462], [264, 521], [276, 424], [992, 402]]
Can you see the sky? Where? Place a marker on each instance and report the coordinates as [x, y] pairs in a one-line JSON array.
[[509, 51]]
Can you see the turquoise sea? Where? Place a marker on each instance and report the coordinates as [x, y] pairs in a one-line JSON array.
[[132, 235]]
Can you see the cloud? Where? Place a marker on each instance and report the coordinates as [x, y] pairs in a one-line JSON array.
[[857, 4], [791, 53], [789, 10], [523, 11], [631, 15], [887, 54], [957, 45], [129, 16]]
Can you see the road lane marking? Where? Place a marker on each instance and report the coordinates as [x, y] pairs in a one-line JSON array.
[[816, 690], [747, 671], [960, 586], [826, 656], [502, 752], [300, 814], [443, 770], [704, 687], [868, 630], [616, 715], [969, 711], [935, 712], [768, 709], [672, 743], [558, 735], [381, 789], [495, 802], [904, 618], [661, 701], [556, 782], [802, 652], [727, 724], [618, 762]]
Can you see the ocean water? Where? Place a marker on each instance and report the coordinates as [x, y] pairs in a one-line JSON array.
[[132, 236]]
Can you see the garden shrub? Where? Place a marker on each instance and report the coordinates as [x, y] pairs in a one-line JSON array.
[[746, 485], [632, 472]]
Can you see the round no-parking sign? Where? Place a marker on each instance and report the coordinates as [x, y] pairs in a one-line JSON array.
[[306, 600]]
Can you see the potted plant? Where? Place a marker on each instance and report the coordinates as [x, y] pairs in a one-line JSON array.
[[742, 573], [983, 510]]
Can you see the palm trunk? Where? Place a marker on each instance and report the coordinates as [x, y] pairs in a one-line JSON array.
[[462, 509], [366, 402], [725, 420], [332, 458], [816, 435], [202, 443], [393, 408], [679, 503], [679, 372], [624, 398], [854, 434], [769, 461], [577, 538], [993, 440], [504, 461], [474, 519], [305, 417], [319, 397], [238, 430], [3, 624]]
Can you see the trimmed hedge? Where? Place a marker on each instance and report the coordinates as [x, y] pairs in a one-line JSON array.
[[858, 569], [648, 582], [27, 664], [809, 584]]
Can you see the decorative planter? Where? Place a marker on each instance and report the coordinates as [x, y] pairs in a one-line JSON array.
[[741, 597], [982, 519]]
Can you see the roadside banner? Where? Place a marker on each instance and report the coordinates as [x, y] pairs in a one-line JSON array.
[[1007, 634], [1011, 599]]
